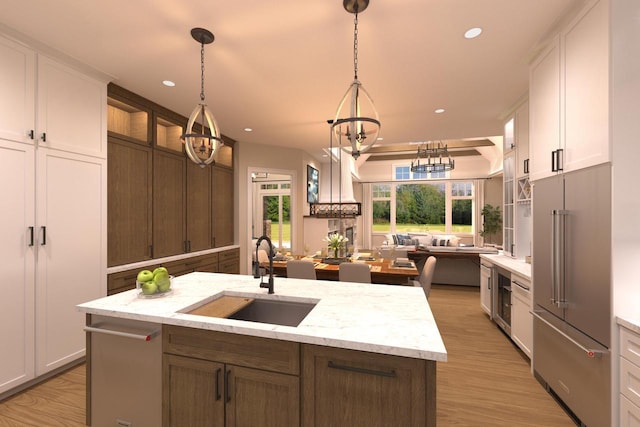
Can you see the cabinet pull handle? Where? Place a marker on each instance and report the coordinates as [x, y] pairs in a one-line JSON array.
[[553, 161], [44, 137], [226, 385], [218, 396], [389, 374], [526, 166], [143, 337], [44, 235], [30, 235], [31, 134], [151, 251]]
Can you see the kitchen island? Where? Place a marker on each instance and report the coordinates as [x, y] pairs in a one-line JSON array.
[[364, 355]]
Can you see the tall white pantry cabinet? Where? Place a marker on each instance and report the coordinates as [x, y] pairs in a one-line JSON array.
[[53, 210]]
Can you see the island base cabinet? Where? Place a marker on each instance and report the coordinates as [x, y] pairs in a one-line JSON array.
[[217, 379], [201, 393], [348, 388]]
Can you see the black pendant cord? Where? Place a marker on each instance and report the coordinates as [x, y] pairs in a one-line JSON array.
[[355, 47], [202, 72]]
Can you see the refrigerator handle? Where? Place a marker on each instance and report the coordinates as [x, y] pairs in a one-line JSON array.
[[590, 351], [554, 257], [558, 250]]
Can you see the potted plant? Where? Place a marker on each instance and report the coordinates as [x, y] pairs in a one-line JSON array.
[[492, 223]]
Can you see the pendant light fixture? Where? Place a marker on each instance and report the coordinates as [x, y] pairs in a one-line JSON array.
[[202, 136], [432, 157], [356, 118]]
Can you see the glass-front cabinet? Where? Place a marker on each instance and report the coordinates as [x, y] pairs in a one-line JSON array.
[[508, 205]]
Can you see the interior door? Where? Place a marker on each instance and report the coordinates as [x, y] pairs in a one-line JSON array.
[[547, 196]]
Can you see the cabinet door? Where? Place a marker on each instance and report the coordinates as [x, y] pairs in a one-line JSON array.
[[169, 213], [586, 89], [71, 110], [522, 138], [17, 82], [129, 202], [358, 389], [544, 111], [521, 318], [192, 392], [485, 287], [222, 211], [199, 227], [17, 252], [72, 251], [258, 398]]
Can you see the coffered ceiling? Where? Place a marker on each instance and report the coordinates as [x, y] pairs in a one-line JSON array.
[[281, 67]]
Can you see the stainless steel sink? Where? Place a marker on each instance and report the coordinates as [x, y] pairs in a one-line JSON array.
[[277, 312]]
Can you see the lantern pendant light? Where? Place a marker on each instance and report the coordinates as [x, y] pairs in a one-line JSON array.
[[202, 137], [351, 120]]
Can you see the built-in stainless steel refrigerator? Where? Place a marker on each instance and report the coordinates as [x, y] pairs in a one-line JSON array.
[[571, 290]]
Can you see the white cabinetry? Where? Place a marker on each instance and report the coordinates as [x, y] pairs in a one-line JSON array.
[[629, 378], [569, 97], [54, 211], [517, 194], [486, 282], [521, 317]]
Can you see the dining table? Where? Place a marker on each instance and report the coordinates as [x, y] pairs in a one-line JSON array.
[[383, 270]]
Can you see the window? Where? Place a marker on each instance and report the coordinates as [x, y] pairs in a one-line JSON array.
[[438, 206], [381, 207]]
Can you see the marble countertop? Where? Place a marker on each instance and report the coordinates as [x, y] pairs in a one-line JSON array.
[[629, 323], [386, 319], [516, 266]]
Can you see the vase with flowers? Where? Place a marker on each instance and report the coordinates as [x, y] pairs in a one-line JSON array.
[[335, 241]]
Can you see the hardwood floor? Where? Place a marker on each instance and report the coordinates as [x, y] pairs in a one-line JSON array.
[[485, 382]]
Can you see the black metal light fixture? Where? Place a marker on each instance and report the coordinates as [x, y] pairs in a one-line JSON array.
[[356, 117], [432, 157], [202, 137]]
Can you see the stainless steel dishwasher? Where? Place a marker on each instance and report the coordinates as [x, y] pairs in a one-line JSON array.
[[124, 372]]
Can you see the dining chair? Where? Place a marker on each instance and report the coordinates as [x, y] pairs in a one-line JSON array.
[[354, 272], [426, 275], [300, 269]]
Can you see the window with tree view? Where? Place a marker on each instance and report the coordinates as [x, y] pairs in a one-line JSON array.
[[438, 206]]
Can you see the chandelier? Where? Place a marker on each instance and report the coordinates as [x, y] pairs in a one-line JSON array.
[[351, 119], [432, 157], [202, 136]]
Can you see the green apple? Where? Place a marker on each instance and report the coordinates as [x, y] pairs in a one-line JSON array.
[[144, 276], [162, 280], [160, 270], [149, 288]]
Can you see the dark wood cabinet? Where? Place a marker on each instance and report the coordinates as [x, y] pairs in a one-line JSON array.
[[199, 220], [218, 379], [126, 280], [159, 203], [222, 206], [360, 389], [169, 204], [229, 261], [129, 200]]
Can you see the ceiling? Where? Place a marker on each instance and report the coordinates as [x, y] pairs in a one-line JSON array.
[[281, 67]]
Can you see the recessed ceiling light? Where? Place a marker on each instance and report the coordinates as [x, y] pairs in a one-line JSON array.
[[380, 139], [248, 130], [472, 33], [439, 111], [168, 83]]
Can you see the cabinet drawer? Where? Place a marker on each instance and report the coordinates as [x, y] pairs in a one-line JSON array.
[[629, 413], [242, 350], [232, 254], [630, 380], [630, 345]]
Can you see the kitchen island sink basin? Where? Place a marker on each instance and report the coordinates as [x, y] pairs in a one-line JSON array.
[[260, 310], [285, 313]]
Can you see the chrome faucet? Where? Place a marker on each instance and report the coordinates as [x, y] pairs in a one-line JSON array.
[[256, 264]]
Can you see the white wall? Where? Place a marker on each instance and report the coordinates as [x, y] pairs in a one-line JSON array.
[[625, 129]]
